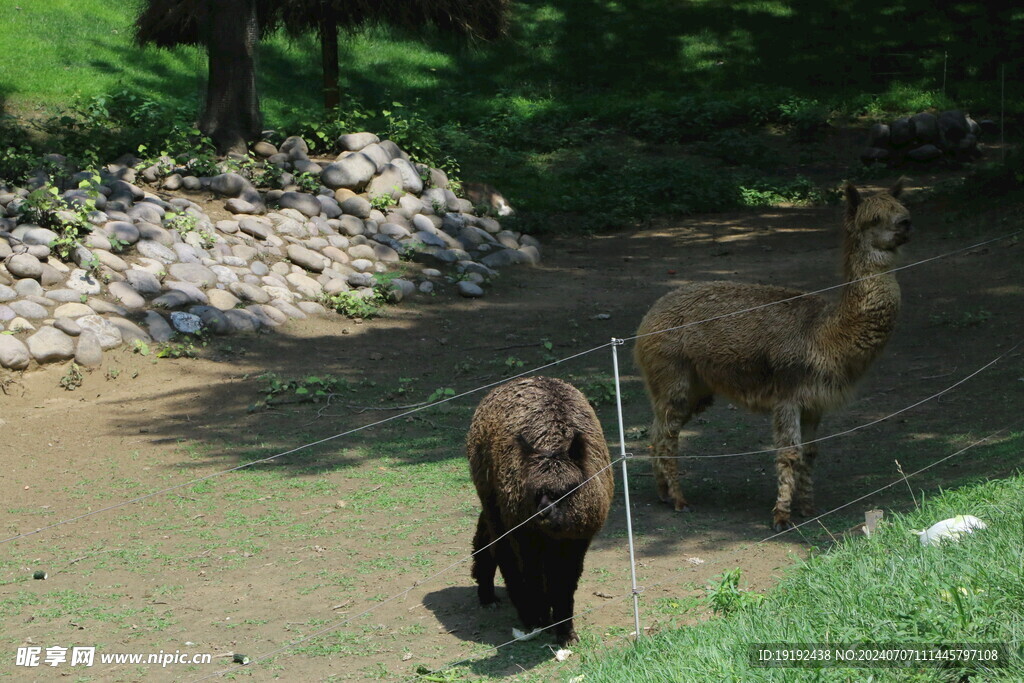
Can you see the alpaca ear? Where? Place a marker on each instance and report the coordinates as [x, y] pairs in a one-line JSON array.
[[577, 447], [852, 199], [525, 446], [897, 189]]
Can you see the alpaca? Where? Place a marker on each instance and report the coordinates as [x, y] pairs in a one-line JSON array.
[[795, 360], [532, 442]]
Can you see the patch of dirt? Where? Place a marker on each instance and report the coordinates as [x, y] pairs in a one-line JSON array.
[[253, 560]]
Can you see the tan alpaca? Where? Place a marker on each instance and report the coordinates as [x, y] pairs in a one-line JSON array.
[[795, 360]]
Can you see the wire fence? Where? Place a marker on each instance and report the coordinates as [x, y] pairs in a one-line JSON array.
[[635, 591], [735, 551]]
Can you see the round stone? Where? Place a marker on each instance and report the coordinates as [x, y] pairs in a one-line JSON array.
[[195, 273], [305, 285], [122, 231], [228, 184], [36, 235], [214, 320], [20, 325], [469, 290], [83, 282], [361, 251], [222, 300], [241, 320], [25, 266], [111, 261], [155, 250], [68, 326], [307, 258], [306, 204], [72, 310], [225, 275], [14, 355], [186, 323], [50, 344], [64, 295], [356, 206], [352, 172], [130, 332], [356, 141], [159, 330], [126, 295], [108, 334], [256, 228], [143, 281], [247, 292], [88, 351], [242, 207]]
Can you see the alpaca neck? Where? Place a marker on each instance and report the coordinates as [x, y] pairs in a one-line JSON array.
[[860, 324]]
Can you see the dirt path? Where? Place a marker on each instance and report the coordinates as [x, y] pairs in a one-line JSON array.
[[253, 560]]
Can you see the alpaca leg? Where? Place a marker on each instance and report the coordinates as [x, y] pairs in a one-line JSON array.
[[664, 449], [804, 498], [518, 560], [565, 578], [786, 428], [485, 562]]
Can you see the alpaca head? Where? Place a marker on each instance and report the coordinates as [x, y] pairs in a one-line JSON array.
[[552, 481], [876, 226]]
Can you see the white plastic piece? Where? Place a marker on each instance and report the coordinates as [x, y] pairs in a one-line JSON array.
[[520, 635], [951, 528], [563, 654]]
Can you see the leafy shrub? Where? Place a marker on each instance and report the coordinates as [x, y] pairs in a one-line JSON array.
[[46, 207], [322, 130], [185, 222], [804, 116], [774, 191], [354, 305], [308, 182]]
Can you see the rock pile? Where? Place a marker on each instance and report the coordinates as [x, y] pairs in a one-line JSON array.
[[926, 138], [151, 263]]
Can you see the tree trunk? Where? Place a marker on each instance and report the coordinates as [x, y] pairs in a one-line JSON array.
[[329, 57], [232, 115]]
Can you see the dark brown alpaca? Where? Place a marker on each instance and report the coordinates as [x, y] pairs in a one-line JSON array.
[[796, 360], [533, 441]]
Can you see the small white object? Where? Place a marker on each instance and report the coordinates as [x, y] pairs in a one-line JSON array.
[[520, 635], [563, 654], [951, 528]]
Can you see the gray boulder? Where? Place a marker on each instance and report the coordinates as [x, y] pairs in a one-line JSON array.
[[88, 351], [49, 345], [228, 184], [352, 172], [354, 142], [304, 203], [14, 355]]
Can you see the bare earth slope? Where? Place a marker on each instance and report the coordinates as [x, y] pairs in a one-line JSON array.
[[253, 560]]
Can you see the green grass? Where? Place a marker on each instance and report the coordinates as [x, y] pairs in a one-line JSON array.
[[886, 589], [587, 119]]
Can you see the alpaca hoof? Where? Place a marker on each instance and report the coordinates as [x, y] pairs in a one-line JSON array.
[[683, 507], [782, 524], [564, 639]]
